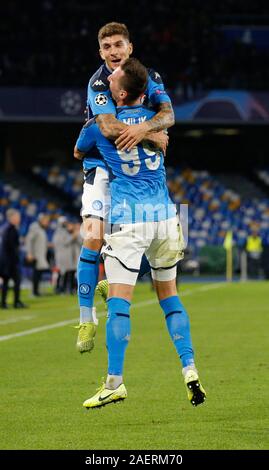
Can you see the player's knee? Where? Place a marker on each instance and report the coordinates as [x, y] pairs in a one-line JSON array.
[[164, 288], [93, 243], [93, 233]]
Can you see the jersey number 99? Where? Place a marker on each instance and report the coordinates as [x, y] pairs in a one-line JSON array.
[[134, 163]]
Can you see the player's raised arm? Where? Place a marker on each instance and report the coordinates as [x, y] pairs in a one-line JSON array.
[[164, 118]]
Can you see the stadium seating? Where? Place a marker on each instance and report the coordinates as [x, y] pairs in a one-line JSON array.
[[30, 208]]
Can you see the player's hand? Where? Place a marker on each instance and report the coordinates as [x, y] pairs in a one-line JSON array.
[[131, 136], [160, 140]]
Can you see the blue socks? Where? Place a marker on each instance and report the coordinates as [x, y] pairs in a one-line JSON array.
[[87, 275], [118, 330], [178, 325]]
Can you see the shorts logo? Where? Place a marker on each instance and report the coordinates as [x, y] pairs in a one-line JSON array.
[[84, 289], [101, 100], [97, 205]]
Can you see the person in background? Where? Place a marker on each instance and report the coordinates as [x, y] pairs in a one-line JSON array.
[[61, 251], [36, 243], [76, 248], [66, 242], [254, 253], [10, 258]]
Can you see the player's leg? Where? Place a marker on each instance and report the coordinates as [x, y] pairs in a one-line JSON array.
[[163, 254], [87, 277], [94, 212], [178, 325], [118, 329]]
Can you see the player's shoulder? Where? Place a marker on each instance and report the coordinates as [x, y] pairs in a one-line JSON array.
[[89, 123], [155, 76], [99, 81]]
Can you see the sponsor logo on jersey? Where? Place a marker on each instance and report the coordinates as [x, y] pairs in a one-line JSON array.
[[160, 92], [97, 205], [101, 99]]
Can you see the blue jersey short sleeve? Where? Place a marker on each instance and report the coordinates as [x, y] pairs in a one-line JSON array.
[[87, 137], [155, 92], [86, 143]]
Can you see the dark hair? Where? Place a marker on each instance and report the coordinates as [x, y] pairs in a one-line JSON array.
[[135, 78], [110, 29]]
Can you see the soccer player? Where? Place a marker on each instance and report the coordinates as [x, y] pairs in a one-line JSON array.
[[143, 220], [115, 47]]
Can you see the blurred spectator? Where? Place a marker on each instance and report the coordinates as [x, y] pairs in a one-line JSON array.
[[9, 258], [65, 241], [254, 253], [36, 249], [265, 256], [74, 230], [61, 251]]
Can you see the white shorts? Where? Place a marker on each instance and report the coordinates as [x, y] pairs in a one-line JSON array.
[[96, 194], [116, 273], [162, 242]]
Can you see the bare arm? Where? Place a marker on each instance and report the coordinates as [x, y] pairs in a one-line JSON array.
[[110, 126], [164, 119], [159, 140], [134, 134]]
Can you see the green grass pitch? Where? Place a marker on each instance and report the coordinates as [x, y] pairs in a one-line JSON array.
[[44, 380]]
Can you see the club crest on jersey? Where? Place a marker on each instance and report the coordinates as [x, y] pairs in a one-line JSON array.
[[101, 99], [97, 205]]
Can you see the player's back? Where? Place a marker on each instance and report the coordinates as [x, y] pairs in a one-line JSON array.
[[137, 178]]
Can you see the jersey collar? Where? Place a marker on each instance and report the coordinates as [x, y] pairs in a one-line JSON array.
[[107, 70], [119, 108]]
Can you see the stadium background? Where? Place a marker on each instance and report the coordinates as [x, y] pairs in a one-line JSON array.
[[213, 58]]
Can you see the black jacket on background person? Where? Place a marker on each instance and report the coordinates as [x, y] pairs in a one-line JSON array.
[[9, 250], [10, 263]]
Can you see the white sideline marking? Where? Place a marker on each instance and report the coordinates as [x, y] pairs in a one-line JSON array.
[[103, 313], [16, 319]]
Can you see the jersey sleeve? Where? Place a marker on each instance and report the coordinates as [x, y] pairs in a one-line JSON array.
[[155, 90], [87, 137]]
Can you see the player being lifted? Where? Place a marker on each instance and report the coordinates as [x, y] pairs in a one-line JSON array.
[[115, 47], [144, 221]]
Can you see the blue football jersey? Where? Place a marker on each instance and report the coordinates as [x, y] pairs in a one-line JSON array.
[[137, 178], [99, 99]]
